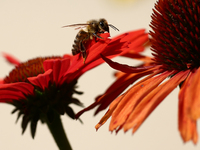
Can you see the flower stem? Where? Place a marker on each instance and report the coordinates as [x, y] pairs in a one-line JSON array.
[[58, 132]]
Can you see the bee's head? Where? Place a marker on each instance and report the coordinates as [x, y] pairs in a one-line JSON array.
[[103, 26]]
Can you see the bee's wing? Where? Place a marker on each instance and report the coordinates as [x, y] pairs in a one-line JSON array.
[[78, 26]]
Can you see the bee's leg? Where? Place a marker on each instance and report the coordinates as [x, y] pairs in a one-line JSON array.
[[83, 51], [96, 36]]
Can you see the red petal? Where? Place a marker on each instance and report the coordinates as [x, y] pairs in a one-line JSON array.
[[11, 59], [137, 42], [18, 86], [125, 68], [140, 41], [109, 48], [1, 81], [42, 80], [59, 68], [151, 101], [8, 96], [15, 91], [77, 67], [133, 35]]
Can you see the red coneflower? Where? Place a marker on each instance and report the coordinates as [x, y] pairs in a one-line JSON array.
[[43, 88], [175, 43]]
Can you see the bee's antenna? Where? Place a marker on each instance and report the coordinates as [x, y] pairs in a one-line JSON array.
[[110, 25]]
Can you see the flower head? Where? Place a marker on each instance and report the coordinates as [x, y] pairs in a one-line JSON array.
[[175, 45], [175, 39], [46, 86]]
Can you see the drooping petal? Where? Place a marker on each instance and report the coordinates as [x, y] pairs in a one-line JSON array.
[[42, 80], [113, 106], [117, 88], [125, 68], [187, 125], [106, 99], [122, 82], [193, 92], [152, 100], [109, 112], [132, 98]]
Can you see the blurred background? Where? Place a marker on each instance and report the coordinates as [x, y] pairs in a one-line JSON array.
[[29, 29]]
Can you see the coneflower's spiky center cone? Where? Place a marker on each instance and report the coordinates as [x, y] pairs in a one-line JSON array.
[[27, 69], [176, 34]]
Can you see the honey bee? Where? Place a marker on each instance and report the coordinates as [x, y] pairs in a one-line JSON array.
[[93, 29]]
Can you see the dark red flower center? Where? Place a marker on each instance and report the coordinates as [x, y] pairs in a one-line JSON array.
[[176, 34], [27, 69]]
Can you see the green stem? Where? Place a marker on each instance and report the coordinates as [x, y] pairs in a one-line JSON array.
[[58, 133]]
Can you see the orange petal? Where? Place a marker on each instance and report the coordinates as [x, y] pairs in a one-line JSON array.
[[187, 126], [132, 98], [118, 87], [193, 91], [151, 101], [112, 107], [108, 97]]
